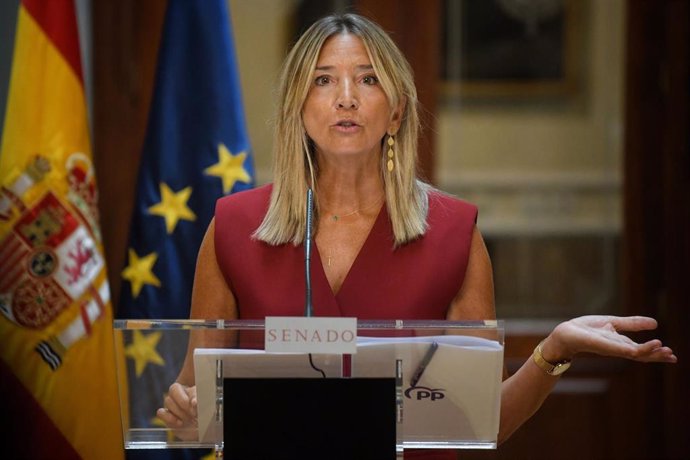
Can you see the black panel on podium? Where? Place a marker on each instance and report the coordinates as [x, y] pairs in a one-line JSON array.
[[309, 418]]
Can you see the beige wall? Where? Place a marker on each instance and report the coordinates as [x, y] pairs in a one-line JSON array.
[[261, 29], [546, 140], [546, 169]]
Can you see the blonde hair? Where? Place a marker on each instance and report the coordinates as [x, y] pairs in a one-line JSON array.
[[294, 162]]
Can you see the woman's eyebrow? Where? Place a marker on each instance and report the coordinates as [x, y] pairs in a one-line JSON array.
[[331, 67]]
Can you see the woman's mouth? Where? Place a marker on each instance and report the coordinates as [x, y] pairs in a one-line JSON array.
[[346, 125]]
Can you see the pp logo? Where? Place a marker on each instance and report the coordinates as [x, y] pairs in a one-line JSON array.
[[424, 393]]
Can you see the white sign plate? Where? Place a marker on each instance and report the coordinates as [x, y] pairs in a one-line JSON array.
[[298, 334]]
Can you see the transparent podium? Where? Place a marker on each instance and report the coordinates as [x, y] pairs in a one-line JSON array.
[[409, 385]]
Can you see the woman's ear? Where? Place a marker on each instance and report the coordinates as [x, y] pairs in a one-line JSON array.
[[396, 117]]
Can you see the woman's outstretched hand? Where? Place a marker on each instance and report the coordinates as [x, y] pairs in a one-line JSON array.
[[602, 335], [179, 411]]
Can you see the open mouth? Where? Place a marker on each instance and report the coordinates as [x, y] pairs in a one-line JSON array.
[[346, 124]]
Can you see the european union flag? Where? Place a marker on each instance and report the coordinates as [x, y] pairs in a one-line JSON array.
[[196, 150]]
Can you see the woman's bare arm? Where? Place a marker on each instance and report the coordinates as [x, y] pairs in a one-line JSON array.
[[211, 299]]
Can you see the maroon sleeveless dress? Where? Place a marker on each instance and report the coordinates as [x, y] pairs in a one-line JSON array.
[[416, 281]]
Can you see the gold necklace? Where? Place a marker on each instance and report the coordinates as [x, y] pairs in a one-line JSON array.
[[336, 217]]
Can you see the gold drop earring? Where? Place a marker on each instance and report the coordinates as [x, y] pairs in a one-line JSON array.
[[391, 154]]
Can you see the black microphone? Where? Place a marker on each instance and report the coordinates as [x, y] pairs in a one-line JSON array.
[[308, 308]]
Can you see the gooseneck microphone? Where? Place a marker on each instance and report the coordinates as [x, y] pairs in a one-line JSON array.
[[308, 308]]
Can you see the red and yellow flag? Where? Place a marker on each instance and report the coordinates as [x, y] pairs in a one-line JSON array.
[[57, 361]]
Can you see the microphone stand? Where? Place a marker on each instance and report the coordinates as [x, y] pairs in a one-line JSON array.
[[308, 308]]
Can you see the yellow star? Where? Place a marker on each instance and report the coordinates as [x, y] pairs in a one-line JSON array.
[[138, 272], [229, 168], [143, 350], [170, 435], [211, 456], [173, 206]]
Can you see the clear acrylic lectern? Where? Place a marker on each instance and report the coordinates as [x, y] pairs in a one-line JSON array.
[[447, 376]]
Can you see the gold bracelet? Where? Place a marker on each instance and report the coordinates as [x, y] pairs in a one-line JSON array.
[[550, 368]]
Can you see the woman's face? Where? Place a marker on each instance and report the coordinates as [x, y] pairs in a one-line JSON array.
[[346, 112]]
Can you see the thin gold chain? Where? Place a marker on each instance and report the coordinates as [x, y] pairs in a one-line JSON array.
[[335, 217]]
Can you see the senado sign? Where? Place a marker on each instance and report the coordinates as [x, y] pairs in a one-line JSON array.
[[296, 334]]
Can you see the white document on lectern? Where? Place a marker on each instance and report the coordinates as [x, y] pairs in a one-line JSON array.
[[456, 399], [458, 395]]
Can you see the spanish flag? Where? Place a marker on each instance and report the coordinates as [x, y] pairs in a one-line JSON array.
[[57, 365]]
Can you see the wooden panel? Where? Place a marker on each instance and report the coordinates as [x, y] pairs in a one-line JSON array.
[[126, 35], [415, 26], [676, 179], [657, 212]]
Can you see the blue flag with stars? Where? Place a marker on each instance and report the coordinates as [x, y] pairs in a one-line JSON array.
[[196, 150]]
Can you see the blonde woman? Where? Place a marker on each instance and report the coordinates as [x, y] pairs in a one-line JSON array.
[[387, 245]]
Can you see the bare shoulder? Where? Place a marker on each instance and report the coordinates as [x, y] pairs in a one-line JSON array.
[[475, 299], [211, 295]]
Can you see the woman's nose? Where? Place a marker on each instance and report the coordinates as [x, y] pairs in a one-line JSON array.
[[347, 97]]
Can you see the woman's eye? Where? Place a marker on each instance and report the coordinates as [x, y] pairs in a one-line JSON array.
[[370, 80], [321, 80]]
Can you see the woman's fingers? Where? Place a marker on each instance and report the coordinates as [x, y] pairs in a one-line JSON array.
[[179, 411], [654, 351], [179, 404], [170, 419], [191, 394], [620, 346], [633, 323]]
